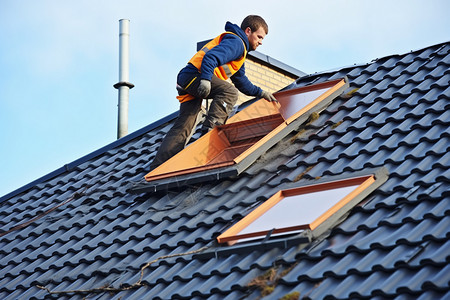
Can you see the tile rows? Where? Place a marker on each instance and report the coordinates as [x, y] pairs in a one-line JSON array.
[[393, 245]]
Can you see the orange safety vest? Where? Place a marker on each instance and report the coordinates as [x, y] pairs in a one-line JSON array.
[[224, 71]]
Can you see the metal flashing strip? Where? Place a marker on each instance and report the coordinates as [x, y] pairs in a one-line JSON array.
[[174, 182], [282, 243]]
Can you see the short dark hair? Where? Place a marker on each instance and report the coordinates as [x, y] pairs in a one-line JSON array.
[[254, 22]]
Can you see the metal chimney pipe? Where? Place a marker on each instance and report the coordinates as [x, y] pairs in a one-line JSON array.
[[123, 85]]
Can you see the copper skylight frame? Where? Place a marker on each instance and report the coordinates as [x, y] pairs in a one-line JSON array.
[[202, 155], [232, 235]]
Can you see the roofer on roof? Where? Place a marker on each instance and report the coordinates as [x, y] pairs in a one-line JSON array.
[[205, 77]]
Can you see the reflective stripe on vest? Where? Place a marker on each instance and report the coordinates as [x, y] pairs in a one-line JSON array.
[[224, 71]]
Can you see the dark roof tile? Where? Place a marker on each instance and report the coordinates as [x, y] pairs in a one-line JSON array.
[[432, 294], [383, 85], [360, 79], [379, 75], [419, 77], [414, 67], [309, 270], [438, 72], [445, 60], [356, 71]]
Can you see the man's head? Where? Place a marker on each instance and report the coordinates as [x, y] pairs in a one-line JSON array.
[[255, 29]]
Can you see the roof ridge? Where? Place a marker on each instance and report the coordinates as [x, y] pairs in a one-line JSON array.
[[356, 65]]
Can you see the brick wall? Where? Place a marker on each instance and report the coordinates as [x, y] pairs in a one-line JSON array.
[[264, 77]]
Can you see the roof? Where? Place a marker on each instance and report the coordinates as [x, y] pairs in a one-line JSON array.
[[80, 228]]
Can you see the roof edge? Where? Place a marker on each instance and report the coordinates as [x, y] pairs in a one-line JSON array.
[[72, 165], [276, 64], [356, 65]]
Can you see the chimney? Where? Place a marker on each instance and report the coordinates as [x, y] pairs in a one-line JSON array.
[[123, 85]]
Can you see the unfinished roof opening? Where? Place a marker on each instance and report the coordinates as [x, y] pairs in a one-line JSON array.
[[248, 134], [242, 135]]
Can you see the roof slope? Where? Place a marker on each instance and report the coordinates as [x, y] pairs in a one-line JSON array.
[[83, 230]]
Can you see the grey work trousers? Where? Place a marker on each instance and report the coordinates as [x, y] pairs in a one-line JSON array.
[[224, 96]]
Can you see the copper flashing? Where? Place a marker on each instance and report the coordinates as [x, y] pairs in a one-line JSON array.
[[218, 148]]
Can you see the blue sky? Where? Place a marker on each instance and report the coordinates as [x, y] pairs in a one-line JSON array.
[[59, 61]]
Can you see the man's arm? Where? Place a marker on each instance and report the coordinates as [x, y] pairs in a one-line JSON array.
[[243, 84]]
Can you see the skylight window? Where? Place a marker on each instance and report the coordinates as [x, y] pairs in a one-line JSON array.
[[248, 134], [303, 208]]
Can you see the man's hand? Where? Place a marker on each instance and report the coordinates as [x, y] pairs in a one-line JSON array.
[[204, 88], [268, 96]]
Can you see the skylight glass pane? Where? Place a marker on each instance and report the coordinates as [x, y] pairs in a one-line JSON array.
[[298, 209], [294, 102]]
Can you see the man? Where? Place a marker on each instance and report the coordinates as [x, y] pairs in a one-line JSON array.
[[205, 77]]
